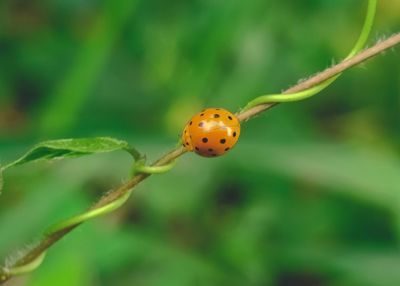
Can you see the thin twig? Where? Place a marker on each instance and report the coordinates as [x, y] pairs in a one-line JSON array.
[[48, 241], [327, 74]]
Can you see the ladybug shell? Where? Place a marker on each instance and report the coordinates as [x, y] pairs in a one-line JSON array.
[[212, 132], [187, 141]]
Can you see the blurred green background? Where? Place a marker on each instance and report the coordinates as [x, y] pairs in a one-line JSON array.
[[310, 195]]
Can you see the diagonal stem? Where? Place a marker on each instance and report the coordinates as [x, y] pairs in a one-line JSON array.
[[326, 74], [40, 248]]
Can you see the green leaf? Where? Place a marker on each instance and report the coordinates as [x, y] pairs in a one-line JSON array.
[[69, 148]]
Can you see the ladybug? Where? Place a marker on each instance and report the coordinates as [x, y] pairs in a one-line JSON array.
[[211, 133]]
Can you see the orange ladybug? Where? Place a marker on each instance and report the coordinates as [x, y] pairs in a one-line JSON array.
[[212, 132]]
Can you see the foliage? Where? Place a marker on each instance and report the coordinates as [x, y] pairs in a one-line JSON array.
[[69, 148]]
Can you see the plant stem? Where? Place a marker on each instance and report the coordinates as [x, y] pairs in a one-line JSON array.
[[44, 244], [41, 247], [326, 74]]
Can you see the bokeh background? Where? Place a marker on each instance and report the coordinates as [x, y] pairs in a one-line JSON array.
[[310, 195]]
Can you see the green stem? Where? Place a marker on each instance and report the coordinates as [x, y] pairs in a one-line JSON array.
[[134, 153], [19, 270], [366, 30], [117, 202], [89, 214], [154, 169], [290, 97]]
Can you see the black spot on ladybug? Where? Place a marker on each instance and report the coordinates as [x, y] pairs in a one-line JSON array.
[[183, 144], [226, 149], [187, 144], [230, 117], [222, 141], [191, 122], [216, 115], [210, 150], [197, 148], [205, 140], [234, 134], [202, 114], [201, 124]]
